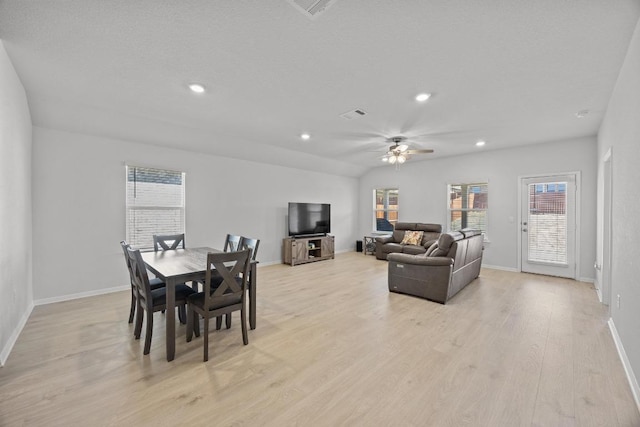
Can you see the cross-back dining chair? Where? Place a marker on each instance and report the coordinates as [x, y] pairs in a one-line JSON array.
[[151, 300], [252, 245], [227, 297], [249, 243], [154, 283], [168, 242], [232, 243]]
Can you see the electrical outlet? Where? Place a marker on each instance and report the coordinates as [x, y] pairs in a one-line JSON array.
[[618, 301]]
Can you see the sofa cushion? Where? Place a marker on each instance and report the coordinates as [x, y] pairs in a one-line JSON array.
[[413, 249], [443, 245], [470, 232], [412, 237], [391, 247], [431, 228]]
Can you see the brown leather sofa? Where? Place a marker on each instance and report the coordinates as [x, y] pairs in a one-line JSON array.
[[386, 245], [448, 266]]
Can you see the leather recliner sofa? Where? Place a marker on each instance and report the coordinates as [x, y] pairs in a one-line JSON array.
[[447, 267], [386, 245]]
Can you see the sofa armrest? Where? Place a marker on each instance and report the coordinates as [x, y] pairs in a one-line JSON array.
[[429, 243], [421, 260], [384, 239]]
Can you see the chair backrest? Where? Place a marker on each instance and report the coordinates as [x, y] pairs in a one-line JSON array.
[[168, 242], [140, 277], [249, 243], [232, 243], [126, 246], [233, 267]]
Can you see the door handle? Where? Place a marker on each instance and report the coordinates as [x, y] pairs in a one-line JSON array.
[[524, 229]]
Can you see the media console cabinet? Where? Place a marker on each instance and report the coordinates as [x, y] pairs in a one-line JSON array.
[[300, 250]]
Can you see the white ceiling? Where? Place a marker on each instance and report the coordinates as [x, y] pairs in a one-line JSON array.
[[507, 71]]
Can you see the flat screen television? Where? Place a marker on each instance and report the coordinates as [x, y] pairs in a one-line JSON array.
[[309, 219]]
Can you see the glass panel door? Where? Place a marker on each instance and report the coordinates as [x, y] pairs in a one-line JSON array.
[[548, 226]]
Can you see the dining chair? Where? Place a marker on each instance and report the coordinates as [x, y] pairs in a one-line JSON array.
[[232, 243], [245, 243], [149, 300], [249, 243], [228, 297], [154, 283], [168, 242]]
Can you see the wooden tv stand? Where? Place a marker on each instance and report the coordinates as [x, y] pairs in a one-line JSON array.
[[300, 250]]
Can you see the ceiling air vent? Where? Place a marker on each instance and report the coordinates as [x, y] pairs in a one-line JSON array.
[[353, 114], [311, 8]]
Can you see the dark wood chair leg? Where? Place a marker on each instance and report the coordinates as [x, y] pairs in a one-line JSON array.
[[139, 313], [206, 338], [243, 319], [147, 335], [196, 323], [218, 322], [182, 314], [132, 310], [228, 320], [189, 325]]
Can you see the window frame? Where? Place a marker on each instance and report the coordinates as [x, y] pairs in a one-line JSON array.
[[159, 207], [386, 211], [466, 210]]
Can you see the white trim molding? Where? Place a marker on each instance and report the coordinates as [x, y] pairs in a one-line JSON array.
[[4, 355], [633, 381], [70, 297]]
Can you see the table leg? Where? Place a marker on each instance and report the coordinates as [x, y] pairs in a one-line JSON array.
[[171, 320], [253, 279]]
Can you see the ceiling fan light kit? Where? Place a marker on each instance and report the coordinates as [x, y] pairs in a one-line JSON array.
[[398, 153]]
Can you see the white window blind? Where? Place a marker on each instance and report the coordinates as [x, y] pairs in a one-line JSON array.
[[385, 208], [547, 222], [468, 206], [155, 204]]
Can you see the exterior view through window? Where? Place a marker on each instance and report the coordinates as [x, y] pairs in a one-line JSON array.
[[155, 204], [385, 207], [547, 222], [468, 205]]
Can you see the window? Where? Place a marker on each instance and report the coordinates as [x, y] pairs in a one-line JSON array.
[[155, 204], [468, 204], [385, 208]]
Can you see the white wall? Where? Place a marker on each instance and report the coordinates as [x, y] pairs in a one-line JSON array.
[[620, 131], [423, 192], [16, 299], [79, 206]]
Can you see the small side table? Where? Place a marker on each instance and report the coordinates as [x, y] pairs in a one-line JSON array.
[[369, 245]]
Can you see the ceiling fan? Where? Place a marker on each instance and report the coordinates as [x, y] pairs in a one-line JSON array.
[[399, 151]]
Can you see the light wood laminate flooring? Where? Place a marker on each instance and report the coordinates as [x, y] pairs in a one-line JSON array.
[[332, 347]]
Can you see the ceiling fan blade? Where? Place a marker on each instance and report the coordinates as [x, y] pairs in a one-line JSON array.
[[425, 151]]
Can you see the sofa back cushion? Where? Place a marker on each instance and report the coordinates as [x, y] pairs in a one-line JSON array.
[[431, 231], [412, 238], [431, 228], [445, 245]]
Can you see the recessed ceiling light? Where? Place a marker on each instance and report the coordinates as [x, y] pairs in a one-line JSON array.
[[305, 136], [480, 143], [582, 113], [196, 88], [423, 97]]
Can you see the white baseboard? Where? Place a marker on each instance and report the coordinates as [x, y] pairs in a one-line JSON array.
[[633, 381], [587, 280], [497, 267], [70, 297], [4, 355]]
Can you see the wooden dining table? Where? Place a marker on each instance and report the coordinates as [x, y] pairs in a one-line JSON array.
[[188, 265]]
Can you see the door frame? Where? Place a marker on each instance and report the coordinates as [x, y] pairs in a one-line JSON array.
[[607, 229], [578, 179]]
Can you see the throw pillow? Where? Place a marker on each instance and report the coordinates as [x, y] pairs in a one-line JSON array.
[[412, 237]]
